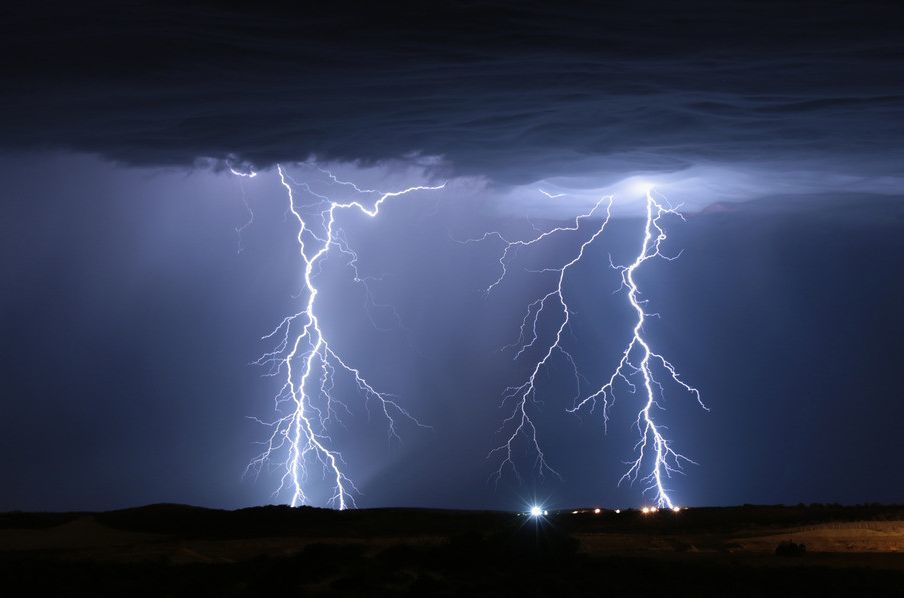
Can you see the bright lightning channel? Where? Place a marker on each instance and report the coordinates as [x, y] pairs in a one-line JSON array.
[[519, 422], [652, 443], [307, 361]]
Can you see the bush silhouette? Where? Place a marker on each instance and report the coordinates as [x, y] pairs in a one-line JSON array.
[[789, 548]]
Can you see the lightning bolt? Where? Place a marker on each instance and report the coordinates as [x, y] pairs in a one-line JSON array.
[[519, 422], [307, 362], [240, 230], [639, 358]]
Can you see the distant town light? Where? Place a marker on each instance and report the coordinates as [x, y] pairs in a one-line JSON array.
[[617, 511], [536, 511], [597, 511]]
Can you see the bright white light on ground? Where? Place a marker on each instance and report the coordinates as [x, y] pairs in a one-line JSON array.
[[536, 511], [645, 510], [597, 511], [676, 509], [617, 511]]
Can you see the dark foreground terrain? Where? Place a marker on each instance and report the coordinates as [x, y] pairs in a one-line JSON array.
[[173, 550]]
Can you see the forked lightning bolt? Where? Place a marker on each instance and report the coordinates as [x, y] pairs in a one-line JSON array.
[[306, 360], [639, 358], [519, 398]]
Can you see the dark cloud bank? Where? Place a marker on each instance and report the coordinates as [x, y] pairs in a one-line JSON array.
[[516, 91]]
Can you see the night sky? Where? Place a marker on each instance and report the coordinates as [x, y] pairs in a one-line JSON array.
[[139, 273]]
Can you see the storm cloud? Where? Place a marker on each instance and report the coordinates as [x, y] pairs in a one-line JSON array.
[[140, 275], [516, 92]]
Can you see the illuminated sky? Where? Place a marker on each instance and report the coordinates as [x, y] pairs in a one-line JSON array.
[[130, 308]]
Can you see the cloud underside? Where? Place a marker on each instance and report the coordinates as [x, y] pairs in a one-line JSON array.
[[515, 94]]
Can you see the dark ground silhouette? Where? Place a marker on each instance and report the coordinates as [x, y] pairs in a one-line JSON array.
[[174, 550]]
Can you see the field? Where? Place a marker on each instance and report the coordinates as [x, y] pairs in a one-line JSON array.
[[180, 550]]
